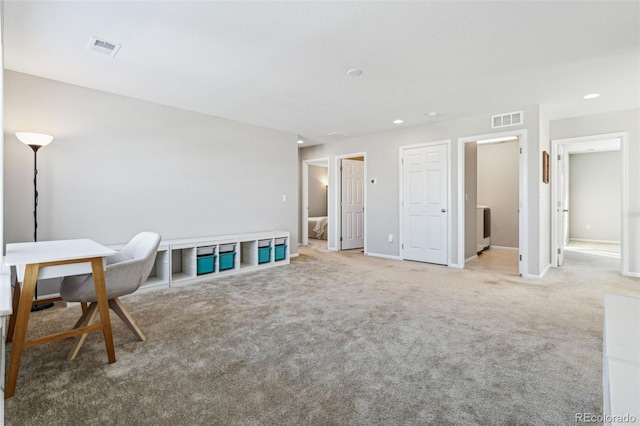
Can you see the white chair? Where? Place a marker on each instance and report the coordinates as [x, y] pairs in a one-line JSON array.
[[125, 272]]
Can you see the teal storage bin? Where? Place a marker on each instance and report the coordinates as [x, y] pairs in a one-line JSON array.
[[281, 252], [264, 254], [206, 264], [227, 260]]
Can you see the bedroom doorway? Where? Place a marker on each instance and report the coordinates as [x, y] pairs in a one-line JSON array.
[[588, 198], [315, 203], [351, 200]]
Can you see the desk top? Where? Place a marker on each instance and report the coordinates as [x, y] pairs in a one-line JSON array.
[[52, 251]]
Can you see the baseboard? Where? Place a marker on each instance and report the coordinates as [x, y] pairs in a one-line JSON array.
[[383, 256], [470, 259], [585, 240], [292, 255], [538, 277], [505, 248], [544, 271], [632, 274]]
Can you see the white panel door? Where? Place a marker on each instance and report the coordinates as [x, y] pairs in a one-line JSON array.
[[352, 204], [425, 198]]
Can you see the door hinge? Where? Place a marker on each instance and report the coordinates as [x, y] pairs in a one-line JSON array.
[[402, 246], [520, 258], [559, 251], [402, 161], [340, 239], [559, 157], [520, 150], [340, 168]]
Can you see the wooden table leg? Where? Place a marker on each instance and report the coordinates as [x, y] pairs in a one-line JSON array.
[[103, 305], [21, 323], [14, 312]]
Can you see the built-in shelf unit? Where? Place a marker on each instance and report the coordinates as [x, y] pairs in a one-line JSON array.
[[177, 261]]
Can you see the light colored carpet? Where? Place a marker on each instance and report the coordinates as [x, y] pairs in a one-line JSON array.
[[337, 339]]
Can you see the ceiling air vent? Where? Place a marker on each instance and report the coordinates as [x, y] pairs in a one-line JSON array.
[[505, 120], [102, 46]]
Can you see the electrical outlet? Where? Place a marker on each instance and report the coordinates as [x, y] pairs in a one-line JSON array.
[[588, 227], [284, 198], [390, 238]]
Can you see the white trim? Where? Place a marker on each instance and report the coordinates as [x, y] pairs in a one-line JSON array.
[[523, 221], [624, 194], [383, 256], [505, 248], [470, 259], [584, 240], [292, 255], [633, 274], [304, 236], [538, 277], [338, 195], [401, 149]]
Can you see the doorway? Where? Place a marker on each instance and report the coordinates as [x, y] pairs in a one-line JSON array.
[[502, 224], [491, 210], [351, 202], [588, 198], [315, 224]]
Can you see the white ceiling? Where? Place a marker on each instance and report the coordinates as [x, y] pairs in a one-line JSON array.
[[283, 64]]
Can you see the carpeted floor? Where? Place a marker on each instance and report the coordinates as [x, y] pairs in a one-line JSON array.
[[337, 339]]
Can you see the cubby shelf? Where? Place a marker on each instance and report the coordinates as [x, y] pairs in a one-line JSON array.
[[177, 260]]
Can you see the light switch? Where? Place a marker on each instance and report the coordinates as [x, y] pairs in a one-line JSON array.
[[284, 198]]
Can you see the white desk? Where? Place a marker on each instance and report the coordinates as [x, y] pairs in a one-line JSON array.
[[51, 259], [621, 358]]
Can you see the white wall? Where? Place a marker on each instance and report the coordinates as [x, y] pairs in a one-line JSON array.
[[620, 121], [594, 196], [119, 165], [318, 178], [382, 203], [498, 174]]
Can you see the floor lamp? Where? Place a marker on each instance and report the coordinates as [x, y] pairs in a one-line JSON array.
[[35, 141]]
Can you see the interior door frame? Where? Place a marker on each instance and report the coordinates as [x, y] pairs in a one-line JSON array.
[[337, 229], [304, 231], [624, 194], [523, 219], [401, 150]]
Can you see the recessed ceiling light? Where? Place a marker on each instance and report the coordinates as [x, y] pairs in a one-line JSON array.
[[300, 141], [398, 121], [432, 114], [591, 96], [354, 72]]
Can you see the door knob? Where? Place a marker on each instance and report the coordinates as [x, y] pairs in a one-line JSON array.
[[443, 210]]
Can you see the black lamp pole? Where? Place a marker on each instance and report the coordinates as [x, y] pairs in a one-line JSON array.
[[36, 307]]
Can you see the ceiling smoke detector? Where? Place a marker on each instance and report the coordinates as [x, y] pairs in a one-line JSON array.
[[102, 46]]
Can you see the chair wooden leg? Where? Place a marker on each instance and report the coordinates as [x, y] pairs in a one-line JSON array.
[[14, 312], [89, 316], [117, 307]]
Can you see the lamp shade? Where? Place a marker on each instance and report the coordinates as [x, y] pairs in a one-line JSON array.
[[31, 139]]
